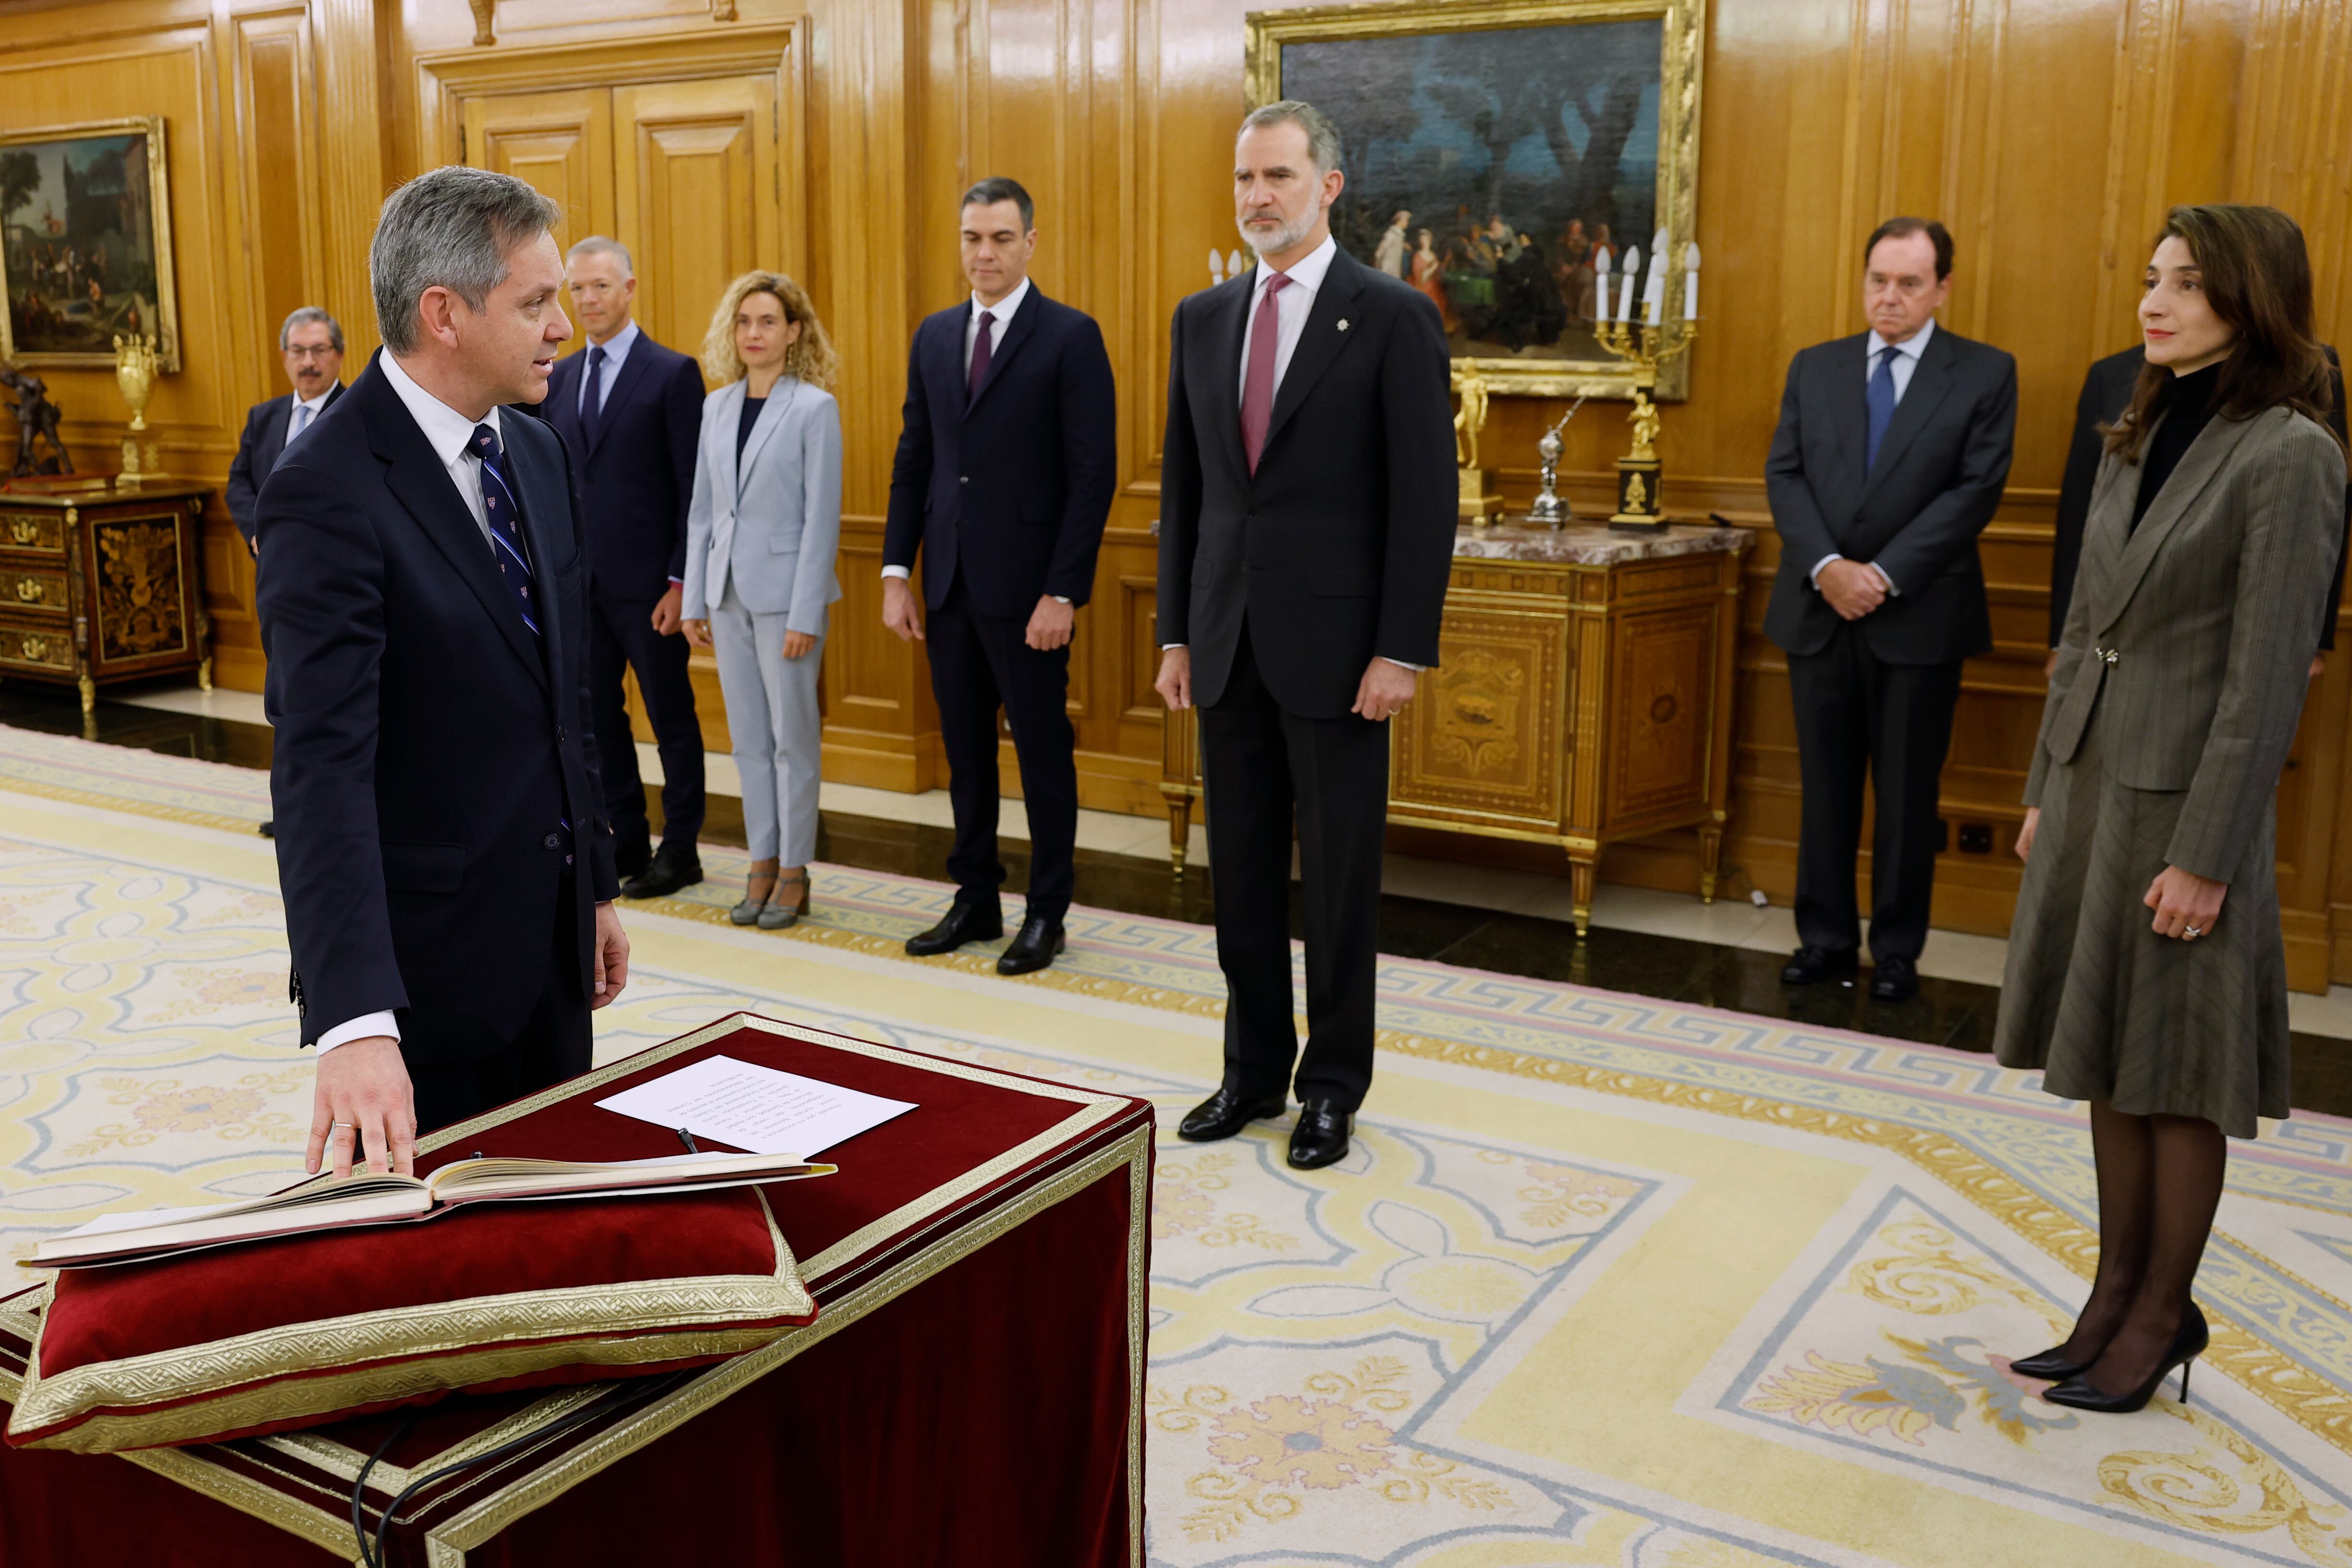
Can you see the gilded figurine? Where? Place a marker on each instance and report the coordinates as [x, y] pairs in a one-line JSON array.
[[1471, 419]]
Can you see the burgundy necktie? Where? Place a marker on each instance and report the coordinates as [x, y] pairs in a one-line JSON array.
[[979, 353], [1257, 387]]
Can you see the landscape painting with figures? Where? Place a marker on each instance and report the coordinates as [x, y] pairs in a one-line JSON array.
[[1485, 167], [85, 256]]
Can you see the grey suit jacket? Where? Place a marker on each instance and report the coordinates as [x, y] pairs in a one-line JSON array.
[[773, 524], [2198, 628]]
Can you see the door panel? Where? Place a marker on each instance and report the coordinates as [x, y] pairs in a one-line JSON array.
[[694, 189], [562, 143]]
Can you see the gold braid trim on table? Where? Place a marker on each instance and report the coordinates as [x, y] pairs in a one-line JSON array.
[[443, 1345], [2297, 1392]]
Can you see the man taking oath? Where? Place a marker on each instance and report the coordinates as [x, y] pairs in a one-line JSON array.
[[1307, 509], [631, 412], [424, 585], [1888, 462], [1002, 484]]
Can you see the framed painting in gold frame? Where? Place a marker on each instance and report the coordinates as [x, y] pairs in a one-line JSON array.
[[1492, 147], [86, 243]]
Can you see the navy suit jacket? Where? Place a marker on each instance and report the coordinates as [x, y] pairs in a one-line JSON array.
[[637, 477], [256, 454], [428, 749], [1012, 486], [1941, 466]]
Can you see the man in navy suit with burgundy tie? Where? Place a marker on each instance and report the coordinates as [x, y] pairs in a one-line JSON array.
[[423, 589], [1002, 482], [631, 411]]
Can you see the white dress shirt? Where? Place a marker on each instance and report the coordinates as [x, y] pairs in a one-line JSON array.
[[1290, 309], [616, 349], [303, 414], [451, 435], [1906, 361], [1000, 316]]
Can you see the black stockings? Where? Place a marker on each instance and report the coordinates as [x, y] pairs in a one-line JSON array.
[[2159, 1183]]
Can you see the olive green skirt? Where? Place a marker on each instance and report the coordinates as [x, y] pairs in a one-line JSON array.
[[2109, 1010]]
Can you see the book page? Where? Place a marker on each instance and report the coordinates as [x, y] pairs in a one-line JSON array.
[[756, 1107], [512, 1176]]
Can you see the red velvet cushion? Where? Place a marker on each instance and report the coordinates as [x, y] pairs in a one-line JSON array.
[[278, 1334]]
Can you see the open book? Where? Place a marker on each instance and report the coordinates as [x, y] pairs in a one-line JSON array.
[[385, 1200]]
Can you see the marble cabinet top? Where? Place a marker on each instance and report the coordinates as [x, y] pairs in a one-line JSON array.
[[1591, 545]]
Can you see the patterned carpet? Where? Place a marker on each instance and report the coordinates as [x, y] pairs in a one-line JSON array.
[[1605, 1281]]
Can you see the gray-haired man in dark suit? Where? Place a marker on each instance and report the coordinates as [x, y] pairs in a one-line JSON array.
[[1889, 461]]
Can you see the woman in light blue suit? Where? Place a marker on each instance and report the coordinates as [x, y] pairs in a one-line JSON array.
[[760, 542]]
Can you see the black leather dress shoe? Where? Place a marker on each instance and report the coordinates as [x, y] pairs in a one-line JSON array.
[[269, 829], [1034, 947], [628, 859], [1810, 965], [1226, 1112], [962, 924], [1321, 1136], [672, 867], [1894, 980]]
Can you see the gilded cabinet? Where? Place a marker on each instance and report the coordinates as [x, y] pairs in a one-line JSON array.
[[99, 583], [1583, 695]]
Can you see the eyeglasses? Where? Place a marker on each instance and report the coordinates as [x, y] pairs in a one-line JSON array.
[[322, 353]]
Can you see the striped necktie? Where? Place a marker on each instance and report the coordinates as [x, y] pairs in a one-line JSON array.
[[505, 517], [295, 425]]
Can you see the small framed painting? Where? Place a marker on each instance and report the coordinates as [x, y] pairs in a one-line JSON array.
[[86, 243]]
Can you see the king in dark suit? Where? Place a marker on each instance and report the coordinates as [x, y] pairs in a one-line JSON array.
[[1306, 510], [1889, 460], [442, 853], [631, 413], [311, 342], [1002, 482]]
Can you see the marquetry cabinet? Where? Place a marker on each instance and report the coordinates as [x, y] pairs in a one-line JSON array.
[[98, 582], [1583, 695]]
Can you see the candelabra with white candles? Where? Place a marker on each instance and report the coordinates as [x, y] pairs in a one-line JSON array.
[[1637, 333]]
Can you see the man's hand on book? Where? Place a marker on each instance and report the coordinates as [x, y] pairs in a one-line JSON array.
[[363, 1104]]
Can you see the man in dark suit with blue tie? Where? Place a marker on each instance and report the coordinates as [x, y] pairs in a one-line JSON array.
[[631, 411], [312, 341], [1889, 460], [447, 871], [1004, 479]]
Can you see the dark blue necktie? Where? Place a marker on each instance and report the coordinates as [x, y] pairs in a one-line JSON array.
[[1881, 401], [505, 519], [592, 396]]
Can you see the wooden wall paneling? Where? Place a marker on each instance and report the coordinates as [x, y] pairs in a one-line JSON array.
[[559, 140], [347, 40], [693, 176]]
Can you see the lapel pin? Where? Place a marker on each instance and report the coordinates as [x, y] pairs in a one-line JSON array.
[[1343, 323]]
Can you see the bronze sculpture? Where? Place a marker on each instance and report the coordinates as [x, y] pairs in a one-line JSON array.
[[37, 419]]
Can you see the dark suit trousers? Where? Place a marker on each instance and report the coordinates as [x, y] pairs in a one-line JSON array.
[[981, 663], [1260, 766], [1857, 715], [553, 1045], [620, 636]]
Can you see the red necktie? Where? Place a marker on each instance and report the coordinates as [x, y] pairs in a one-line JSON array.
[[1257, 387], [980, 349]]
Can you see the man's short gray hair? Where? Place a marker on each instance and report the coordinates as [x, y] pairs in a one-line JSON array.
[[597, 245], [1322, 136], [451, 228], [303, 318]]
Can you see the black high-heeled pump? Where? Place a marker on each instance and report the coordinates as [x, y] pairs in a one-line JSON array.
[[2051, 1366], [2188, 1344]]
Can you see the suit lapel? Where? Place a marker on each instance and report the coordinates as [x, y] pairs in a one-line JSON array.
[[1931, 380], [423, 487], [544, 497], [625, 383], [1016, 332], [1318, 344], [771, 414], [564, 399], [2187, 481], [274, 426], [1228, 325]]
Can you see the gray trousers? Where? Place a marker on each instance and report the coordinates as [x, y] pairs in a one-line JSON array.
[[772, 714]]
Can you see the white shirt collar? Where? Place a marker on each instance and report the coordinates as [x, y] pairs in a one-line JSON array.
[[616, 349], [1002, 310], [315, 405], [1911, 348], [1307, 272], [446, 431]]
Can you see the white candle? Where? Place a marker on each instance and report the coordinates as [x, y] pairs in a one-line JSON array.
[[1690, 283], [1626, 290], [1601, 283]]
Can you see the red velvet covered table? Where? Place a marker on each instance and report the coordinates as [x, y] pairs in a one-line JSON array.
[[971, 1392]]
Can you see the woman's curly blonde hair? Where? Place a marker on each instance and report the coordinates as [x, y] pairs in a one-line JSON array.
[[811, 359]]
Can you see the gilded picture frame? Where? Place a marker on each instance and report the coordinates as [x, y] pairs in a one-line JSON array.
[[1530, 119], [86, 243]]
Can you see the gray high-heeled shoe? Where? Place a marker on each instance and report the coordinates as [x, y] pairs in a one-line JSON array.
[[779, 913], [750, 909]]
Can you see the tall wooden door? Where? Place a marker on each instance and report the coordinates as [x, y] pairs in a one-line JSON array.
[[561, 142]]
